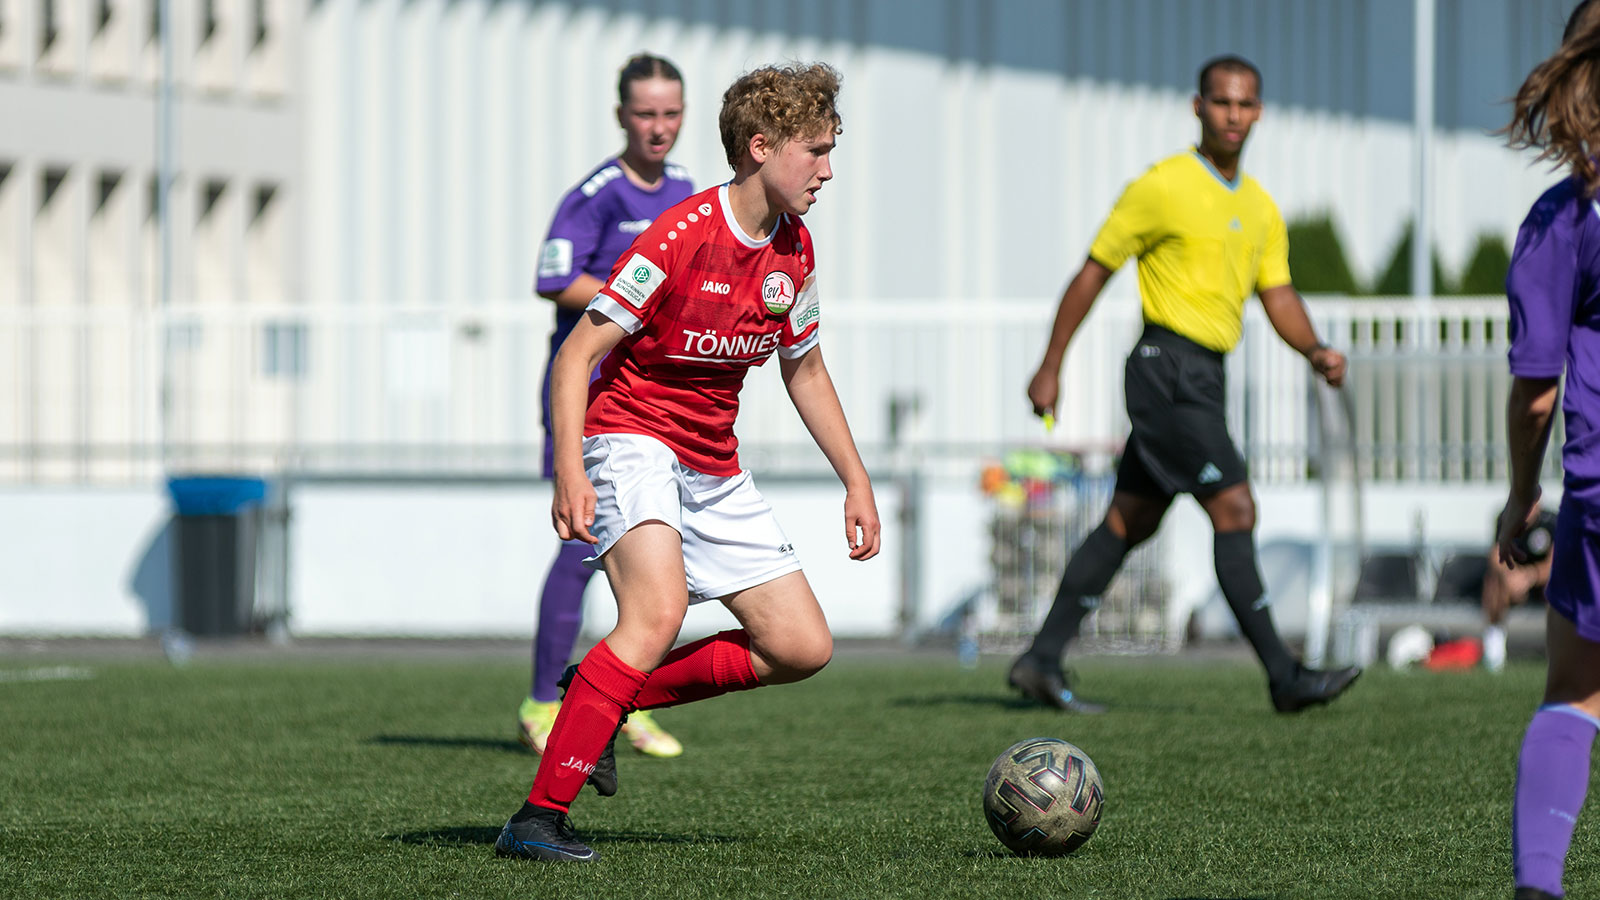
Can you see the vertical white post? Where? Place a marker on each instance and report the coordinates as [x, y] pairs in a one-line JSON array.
[[1422, 235], [1423, 336], [166, 128]]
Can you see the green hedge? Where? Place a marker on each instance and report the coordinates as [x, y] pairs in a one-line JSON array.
[[1486, 269], [1316, 258], [1319, 266], [1396, 277]]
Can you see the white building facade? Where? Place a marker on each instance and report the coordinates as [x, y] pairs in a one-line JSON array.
[[361, 187]]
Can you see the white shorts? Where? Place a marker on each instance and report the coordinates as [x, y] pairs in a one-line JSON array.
[[731, 539]]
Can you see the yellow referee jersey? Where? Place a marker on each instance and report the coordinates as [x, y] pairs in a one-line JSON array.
[[1204, 244]]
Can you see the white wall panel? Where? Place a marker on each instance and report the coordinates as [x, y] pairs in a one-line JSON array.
[[83, 561], [983, 142]]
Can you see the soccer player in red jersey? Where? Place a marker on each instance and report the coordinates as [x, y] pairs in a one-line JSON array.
[[646, 462]]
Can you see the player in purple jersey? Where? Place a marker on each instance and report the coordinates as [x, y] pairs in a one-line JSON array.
[[1554, 292], [595, 222]]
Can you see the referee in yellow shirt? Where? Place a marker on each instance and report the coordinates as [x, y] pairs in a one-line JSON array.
[[1205, 236]]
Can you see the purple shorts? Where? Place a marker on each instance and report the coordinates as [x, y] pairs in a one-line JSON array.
[[1574, 588]]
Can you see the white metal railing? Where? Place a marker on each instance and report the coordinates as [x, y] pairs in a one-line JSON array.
[[104, 394]]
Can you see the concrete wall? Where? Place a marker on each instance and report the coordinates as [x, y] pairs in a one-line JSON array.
[[471, 560], [431, 560]]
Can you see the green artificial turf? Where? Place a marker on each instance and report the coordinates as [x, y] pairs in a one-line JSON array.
[[380, 778]]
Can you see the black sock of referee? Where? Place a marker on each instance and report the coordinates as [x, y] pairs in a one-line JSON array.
[[1090, 570], [1241, 585]]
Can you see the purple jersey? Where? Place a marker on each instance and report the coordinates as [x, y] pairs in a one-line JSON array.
[[595, 222], [1554, 289]]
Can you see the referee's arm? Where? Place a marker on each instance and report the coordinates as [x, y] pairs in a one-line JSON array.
[[1287, 313], [1075, 302]]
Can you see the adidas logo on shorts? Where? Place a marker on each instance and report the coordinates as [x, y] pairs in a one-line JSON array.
[[1210, 474]]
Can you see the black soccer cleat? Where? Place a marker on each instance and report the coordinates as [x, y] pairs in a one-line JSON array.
[[1049, 685], [545, 835], [1311, 687], [603, 778], [1533, 893]]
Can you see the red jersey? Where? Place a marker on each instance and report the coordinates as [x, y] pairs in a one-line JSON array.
[[702, 302]]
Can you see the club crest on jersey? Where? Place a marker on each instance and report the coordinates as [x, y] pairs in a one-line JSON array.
[[777, 292]]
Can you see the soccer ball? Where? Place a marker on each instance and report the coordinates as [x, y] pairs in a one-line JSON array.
[[1043, 797]]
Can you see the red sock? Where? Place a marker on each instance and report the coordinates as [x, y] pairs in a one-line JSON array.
[[708, 667], [602, 691]]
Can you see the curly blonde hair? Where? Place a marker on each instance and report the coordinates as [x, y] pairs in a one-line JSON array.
[[1557, 109], [781, 102]]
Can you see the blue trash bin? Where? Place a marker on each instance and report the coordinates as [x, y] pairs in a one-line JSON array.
[[214, 551]]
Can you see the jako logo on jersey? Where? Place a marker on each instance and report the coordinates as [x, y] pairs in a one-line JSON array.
[[712, 287], [777, 292], [705, 209]]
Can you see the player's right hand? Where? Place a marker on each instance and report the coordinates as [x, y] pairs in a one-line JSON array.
[[572, 509], [1044, 390]]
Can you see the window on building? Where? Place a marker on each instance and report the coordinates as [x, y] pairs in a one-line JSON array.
[[49, 183], [264, 195], [49, 28], [208, 21], [108, 186], [283, 350], [213, 192], [259, 28], [184, 336]]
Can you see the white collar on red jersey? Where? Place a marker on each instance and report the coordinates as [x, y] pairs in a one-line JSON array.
[[733, 224]]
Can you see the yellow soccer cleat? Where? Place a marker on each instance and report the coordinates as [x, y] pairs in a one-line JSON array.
[[648, 737], [535, 718]]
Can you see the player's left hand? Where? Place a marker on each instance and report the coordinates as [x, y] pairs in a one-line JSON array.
[[1515, 519], [1329, 363], [862, 530]]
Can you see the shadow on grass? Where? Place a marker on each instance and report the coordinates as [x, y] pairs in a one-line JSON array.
[[466, 835], [996, 700], [1022, 704], [434, 740]]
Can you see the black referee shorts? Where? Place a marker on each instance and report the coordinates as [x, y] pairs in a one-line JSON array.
[[1176, 400]]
